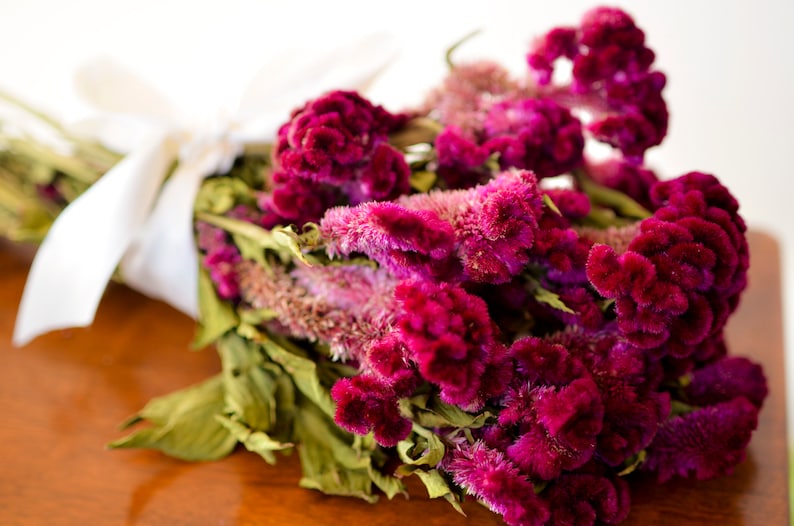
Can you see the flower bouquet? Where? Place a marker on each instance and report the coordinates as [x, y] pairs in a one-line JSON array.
[[462, 292]]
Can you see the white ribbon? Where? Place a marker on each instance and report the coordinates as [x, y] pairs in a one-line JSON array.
[[129, 218]]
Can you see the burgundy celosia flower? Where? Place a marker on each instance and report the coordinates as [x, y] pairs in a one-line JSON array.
[[611, 79], [492, 478], [449, 335], [708, 442], [583, 499], [682, 275], [555, 409], [726, 379], [534, 134], [335, 148], [365, 403]]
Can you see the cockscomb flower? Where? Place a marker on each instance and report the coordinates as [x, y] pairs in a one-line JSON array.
[[554, 409], [449, 335], [220, 257], [706, 443], [468, 93], [612, 79], [335, 149], [534, 134], [488, 475], [724, 380], [682, 274], [460, 159], [481, 234], [364, 403], [584, 499], [346, 329]]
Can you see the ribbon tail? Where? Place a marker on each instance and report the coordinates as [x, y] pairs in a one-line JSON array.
[[84, 245], [162, 261]]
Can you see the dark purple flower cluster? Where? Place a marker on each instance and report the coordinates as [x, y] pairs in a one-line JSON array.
[[612, 78], [335, 148], [682, 274]]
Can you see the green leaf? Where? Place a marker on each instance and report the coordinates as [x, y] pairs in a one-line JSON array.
[[218, 195], [304, 374], [421, 448], [432, 412], [330, 463], [184, 424], [551, 204], [257, 442], [621, 203], [551, 299], [216, 317], [250, 389], [423, 180]]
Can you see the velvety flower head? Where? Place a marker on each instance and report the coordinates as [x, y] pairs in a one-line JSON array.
[[460, 159], [554, 409], [682, 274], [488, 475], [584, 499], [495, 224], [706, 443], [406, 242], [612, 79], [481, 234], [467, 94], [335, 149], [726, 379], [220, 257], [534, 134], [449, 335], [364, 403]]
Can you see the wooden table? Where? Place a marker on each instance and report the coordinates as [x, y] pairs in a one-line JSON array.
[[62, 397]]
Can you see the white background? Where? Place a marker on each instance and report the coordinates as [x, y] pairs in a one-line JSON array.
[[729, 64]]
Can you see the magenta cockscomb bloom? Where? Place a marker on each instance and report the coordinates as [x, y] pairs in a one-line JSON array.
[[583, 499], [449, 335], [495, 224], [534, 134], [334, 150], [706, 443], [460, 159], [488, 475], [726, 379], [220, 257], [481, 234], [682, 274], [404, 241], [365, 403], [612, 79], [554, 408]]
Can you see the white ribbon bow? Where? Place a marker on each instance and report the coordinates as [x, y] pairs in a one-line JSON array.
[[129, 218]]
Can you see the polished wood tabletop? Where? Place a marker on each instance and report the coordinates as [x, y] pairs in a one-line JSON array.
[[62, 397]]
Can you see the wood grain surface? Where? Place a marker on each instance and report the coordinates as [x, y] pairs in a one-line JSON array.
[[62, 397]]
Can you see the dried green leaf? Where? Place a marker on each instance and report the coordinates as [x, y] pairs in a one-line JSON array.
[[551, 299], [423, 180], [216, 317], [257, 442], [184, 424]]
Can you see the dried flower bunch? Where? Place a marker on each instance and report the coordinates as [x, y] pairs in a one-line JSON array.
[[461, 292]]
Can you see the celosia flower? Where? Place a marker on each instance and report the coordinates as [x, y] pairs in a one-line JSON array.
[[460, 159], [492, 478], [365, 403], [708, 442], [726, 379], [480, 234], [534, 134], [449, 335], [682, 275], [611, 79], [583, 499], [220, 258]]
